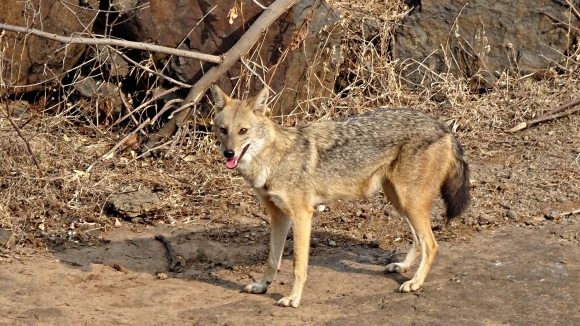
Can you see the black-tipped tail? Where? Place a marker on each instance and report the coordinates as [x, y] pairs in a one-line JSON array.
[[455, 188]]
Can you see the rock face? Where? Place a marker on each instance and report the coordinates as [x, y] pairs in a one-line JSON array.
[[479, 39], [169, 23], [33, 60]]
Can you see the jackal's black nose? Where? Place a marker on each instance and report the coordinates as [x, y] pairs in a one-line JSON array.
[[228, 153]]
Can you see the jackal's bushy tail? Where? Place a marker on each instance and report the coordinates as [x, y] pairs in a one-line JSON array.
[[455, 188]]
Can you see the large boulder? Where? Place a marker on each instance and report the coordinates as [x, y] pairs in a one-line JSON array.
[[172, 22], [29, 61], [479, 39]]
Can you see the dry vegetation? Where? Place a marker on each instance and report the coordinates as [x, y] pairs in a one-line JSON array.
[[56, 201]]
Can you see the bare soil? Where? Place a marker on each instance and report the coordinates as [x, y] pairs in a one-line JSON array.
[[503, 262]]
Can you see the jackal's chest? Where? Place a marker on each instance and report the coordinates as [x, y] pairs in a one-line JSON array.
[[256, 177]]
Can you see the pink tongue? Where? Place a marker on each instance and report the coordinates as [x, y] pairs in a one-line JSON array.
[[232, 162]]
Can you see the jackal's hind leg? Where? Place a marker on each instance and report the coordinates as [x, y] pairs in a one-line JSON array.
[[393, 197], [419, 220], [402, 267]]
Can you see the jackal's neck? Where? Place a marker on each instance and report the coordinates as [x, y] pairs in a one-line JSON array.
[[276, 143]]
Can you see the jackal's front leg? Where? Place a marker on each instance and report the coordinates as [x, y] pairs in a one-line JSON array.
[[302, 225], [279, 226]]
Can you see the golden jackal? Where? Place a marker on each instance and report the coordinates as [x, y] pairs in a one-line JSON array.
[[408, 154]]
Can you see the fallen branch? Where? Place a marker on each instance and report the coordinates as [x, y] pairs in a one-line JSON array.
[[569, 213], [176, 263], [107, 41], [550, 115], [269, 16], [555, 215]]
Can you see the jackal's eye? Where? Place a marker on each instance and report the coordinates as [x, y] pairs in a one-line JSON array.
[[223, 131], [243, 131]]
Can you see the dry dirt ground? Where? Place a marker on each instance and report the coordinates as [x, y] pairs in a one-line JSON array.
[[504, 262]]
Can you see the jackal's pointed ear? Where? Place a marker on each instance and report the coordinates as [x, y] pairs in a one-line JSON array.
[[258, 103], [219, 98]]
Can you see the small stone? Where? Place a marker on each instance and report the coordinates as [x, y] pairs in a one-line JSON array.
[[551, 215], [5, 237], [217, 260], [527, 155], [561, 199], [314, 242], [526, 138], [121, 268], [375, 243], [137, 220], [469, 221], [162, 276], [226, 264], [512, 214], [201, 254], [485, 219], [332, 243], [446, 104], [505, 187], [567, 235], [321, 208], [117, 223], [536, 220]]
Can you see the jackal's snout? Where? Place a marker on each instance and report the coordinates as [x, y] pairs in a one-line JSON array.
[[229, 153]]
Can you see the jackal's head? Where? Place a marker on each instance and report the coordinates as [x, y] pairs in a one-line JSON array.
[[240, 126]]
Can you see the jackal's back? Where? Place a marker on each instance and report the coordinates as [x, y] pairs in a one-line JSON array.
[[370, 138]]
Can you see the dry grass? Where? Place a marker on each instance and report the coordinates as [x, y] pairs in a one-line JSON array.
[[60, 202]]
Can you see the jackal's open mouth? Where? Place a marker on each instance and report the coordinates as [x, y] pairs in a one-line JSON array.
[[233, 162]]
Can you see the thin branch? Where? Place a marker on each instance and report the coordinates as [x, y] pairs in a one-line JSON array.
[[577, 211], [257, 75], [128, 106], [112, 42], [149, 70], [19, 132], [558, 112], [259, 4], [144, 104], [166, 107]]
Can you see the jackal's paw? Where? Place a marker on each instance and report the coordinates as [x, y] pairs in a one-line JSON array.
[[256, 288], [410, 286], [289, 302], [395, 268]]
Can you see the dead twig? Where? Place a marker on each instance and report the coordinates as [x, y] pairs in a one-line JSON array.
[[176, 263], [107, 41], [177, 82], [577, 211], [19, 132], [550, 115]]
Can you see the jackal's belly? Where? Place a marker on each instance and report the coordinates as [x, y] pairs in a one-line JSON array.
[[346, 187]]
